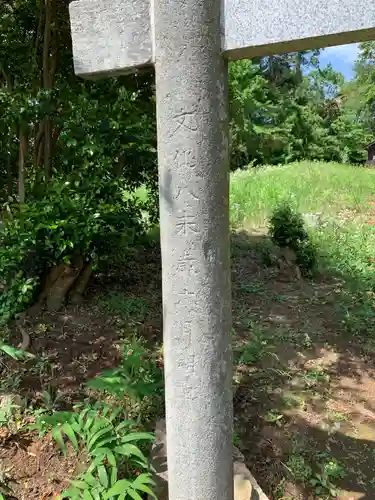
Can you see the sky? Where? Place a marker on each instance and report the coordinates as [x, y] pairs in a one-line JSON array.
[[341, 57]]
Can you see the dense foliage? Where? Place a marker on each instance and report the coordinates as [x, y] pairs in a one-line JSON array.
[[287, 230], [286, 108], [73, 152]]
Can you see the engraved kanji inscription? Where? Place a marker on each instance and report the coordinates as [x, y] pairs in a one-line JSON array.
[[185, 158], [187, 298], [189, 194], [186, 120], [186, 262], [186, 224]]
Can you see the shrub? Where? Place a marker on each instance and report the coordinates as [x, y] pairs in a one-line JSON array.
[[287, 229], [74, 220]]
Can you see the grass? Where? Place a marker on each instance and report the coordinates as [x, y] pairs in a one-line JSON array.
[[344, 198], [307, 186]]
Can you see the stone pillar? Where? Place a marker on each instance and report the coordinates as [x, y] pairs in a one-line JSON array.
[[192, 116]]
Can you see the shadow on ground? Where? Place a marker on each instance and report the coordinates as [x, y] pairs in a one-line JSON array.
[[304, 399]]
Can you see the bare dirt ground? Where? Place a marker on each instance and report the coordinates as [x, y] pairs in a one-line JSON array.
[[304, 387]]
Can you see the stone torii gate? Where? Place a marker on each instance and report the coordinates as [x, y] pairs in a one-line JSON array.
[[190, 42]]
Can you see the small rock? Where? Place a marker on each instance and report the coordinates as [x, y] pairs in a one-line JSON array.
[[245, 485]]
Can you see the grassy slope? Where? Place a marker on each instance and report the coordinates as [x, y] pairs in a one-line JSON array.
[[308, 186], [343, 195]]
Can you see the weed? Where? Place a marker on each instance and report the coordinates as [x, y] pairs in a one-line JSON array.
[[300, 469], [315, 376], [337, 416], [274, 417], [42, 365], [51, 398], [252, 351], [236, 439], [321, 475], [10, 383], [330, 470], [306, 341], [112, 446], [136, 379], [293, 401], [256, 288], [13, 352], [309, 186]]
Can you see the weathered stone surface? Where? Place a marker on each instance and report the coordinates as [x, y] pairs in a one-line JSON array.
[[245, 485], [116, 36], [259, 27], [110, 36], [192, 128]]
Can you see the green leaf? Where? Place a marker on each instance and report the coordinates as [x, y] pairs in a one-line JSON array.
[[113, 475], [108, 440], [67, 428], [129, 450], [134, 495], [80, 484], [110, 457], [145, 489], [97, 435], [90, 479], [143, 478], [96, 495], [120, 487], [56, 434], [14, 353], [87, 495], [82, 417], [103, 476], [71, 493], [124, 423], [138, 436]]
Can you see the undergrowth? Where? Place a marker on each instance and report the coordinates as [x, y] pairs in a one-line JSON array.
[[109, 428]]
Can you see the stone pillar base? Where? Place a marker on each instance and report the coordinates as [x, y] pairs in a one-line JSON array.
[[245, 485]]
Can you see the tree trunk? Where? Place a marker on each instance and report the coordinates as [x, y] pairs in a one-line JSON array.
[[59, 281], [9, 168], [76, 294], [47, 148], [49, 68], [46, 44], [37, 43], [21, 166]]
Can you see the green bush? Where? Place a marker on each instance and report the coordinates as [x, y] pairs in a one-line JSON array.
[[79, 219], [287, 229]]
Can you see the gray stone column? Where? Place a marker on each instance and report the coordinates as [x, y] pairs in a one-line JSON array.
[[191, 89]]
